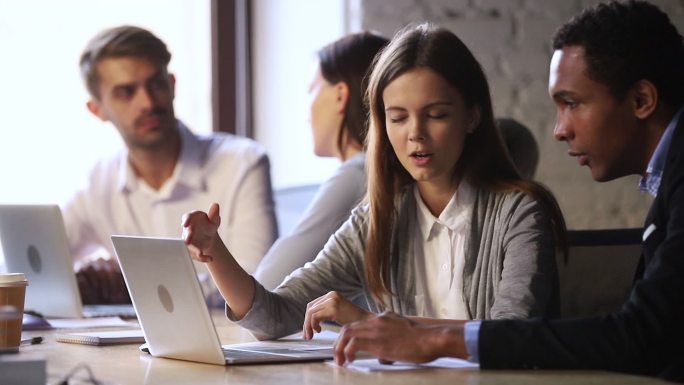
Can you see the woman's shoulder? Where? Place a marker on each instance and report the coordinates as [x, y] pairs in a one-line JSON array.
[[361, 211], [357, 161], [512, 195], [405, 199], [507, 200], [352, 172]]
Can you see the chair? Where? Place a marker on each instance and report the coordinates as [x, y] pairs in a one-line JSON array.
[[291, 202], [599, 272], [521, 145]]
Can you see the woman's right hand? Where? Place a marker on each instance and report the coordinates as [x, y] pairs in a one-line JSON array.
[[330, 307], [200, 232]]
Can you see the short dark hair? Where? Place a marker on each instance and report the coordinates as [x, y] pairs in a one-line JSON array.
[[625, 42], [122, 41], [349, 60]]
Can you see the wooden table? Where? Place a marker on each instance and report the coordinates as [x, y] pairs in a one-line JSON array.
[[124, 364]]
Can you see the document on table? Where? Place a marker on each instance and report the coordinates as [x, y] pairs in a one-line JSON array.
[[373, 365]]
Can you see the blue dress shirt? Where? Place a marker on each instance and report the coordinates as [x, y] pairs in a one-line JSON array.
[[654, 172]]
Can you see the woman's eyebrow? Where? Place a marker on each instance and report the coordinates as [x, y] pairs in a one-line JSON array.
[[429, 105]]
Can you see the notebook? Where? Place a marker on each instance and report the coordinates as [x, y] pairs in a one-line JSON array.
[[115, 337], [34, 242], [163, 285]]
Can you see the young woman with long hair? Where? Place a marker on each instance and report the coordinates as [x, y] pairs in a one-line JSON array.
[[449, 229]]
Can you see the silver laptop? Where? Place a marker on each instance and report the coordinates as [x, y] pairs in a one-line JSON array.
[[163, 285], [34, 242]]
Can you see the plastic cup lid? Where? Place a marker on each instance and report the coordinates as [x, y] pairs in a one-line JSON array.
[[12, 278]]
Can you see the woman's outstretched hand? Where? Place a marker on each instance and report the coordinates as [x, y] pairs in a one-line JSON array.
[[200, 232]]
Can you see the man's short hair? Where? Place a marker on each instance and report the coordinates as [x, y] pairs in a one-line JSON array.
[[625, 42], [122, 41]]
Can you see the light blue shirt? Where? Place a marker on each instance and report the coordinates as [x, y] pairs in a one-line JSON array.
[[471, 335], [654, 172], [328, 210]]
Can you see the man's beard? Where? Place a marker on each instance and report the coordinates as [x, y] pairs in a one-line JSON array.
[[166, 128]]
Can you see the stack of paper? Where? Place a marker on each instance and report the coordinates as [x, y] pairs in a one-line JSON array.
[[373, 365]]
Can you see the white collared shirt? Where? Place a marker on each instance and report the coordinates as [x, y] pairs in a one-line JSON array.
[[440, 255], [227, 169]]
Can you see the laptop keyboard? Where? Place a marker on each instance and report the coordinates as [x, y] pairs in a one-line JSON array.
[[233, 353], [237, 353]]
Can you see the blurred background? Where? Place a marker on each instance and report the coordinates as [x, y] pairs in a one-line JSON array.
[[245, 66]]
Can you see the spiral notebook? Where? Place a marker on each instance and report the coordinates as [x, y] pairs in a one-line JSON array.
[[103, 338]]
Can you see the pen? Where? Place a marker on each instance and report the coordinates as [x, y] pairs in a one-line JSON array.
[[31, 341]]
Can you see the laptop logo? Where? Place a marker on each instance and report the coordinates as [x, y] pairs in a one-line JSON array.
[[165, 298], [34, 259]]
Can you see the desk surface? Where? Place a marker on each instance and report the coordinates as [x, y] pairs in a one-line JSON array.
[[124, 364]]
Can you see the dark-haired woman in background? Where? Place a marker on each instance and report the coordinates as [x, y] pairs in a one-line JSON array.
[[338, 123]]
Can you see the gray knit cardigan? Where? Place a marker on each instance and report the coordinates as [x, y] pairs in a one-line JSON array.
[[509, 273]]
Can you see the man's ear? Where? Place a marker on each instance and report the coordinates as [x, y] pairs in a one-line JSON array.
[[645, 97], [95, 108], [172, 84], [342, 90]]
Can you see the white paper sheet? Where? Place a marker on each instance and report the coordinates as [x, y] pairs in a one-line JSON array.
[[373, 365]]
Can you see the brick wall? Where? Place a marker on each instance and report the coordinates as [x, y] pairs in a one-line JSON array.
[[510, 38]]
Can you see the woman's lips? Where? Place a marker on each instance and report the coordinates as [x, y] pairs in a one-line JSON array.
[[421, 158]]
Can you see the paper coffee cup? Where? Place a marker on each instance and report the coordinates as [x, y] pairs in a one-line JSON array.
[[12, 293]]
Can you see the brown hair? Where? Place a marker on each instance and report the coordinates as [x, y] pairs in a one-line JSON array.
[[348, 60], [120, 41], [484, 161]]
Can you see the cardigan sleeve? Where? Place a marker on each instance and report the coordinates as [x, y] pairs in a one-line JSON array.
[[529, 277], [338, 267]]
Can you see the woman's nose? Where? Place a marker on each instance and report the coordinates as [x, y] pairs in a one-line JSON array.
[[416, 133]]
